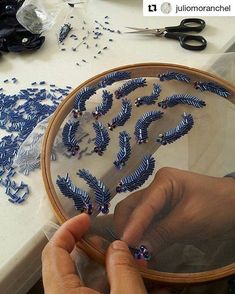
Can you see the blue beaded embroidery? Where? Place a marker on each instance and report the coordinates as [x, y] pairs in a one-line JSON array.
[[122, 116], [125, 150], [141, 127], [182, 99], [179, 131], [64, 31], [69, 137], [114, 77], [151, 99], [171, 75], [129, 87], [138, 177], [102, 138], [81, 198], [102, 194], [105, 106], [212, 87], [80, 100]]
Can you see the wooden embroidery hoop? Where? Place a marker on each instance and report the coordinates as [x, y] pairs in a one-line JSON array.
[[137, 70]]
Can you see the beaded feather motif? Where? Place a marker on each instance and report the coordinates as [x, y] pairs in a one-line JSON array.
[[182, 128], [125, 150], [122, 116], [129, 87], [102, 194], [102, 138], [69, 136], [182, 99], [171, 75], [212, 87], [141, 127], [111, 78], [138, 177], [151, 99], [81, 199], [80, 100], [105, 106]]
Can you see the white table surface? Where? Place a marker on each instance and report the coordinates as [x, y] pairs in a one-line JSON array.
[[21, 236]]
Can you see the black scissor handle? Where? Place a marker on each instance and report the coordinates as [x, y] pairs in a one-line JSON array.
[[188, 25], [185, 40]]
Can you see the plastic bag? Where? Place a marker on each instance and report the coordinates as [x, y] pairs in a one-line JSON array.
[[37, 16]]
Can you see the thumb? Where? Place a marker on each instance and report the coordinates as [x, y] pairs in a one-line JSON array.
[[123, 274]]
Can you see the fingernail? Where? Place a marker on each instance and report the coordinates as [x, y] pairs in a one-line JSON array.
[[119, 245]]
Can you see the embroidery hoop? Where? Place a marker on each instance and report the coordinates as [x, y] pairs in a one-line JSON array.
[[137, 70]]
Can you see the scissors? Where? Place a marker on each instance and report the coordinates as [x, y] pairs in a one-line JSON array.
[[178, 33]]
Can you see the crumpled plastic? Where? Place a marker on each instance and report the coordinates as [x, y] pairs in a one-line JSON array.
[[13, 36]]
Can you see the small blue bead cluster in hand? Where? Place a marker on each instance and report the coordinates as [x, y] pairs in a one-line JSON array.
[[212, 87], [179, 131], [129, 87], [142, 253], [138, 177], [182, 99], [141, 127], [122, 116]]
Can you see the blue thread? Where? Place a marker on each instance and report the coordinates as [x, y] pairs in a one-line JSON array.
[[82, 201], [212, 87], [141, 127], [105, 106], [129, 87], [151, 99], [182, 128], [102, 194], [80, 100], [102, 138], [125, 150], [138, 177], [64, 31], [182, 99], [123, 115], [171, 75], [113, 77], [69, 137]]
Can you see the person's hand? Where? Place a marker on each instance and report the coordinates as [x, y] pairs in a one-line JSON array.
[[58, 269], [178, 206]]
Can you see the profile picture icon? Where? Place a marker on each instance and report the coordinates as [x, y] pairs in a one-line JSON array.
[[166, 7]]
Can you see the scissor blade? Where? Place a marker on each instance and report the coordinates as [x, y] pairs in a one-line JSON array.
[[144, 31]]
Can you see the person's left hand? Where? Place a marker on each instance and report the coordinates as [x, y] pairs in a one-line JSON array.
[[58, 269]]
